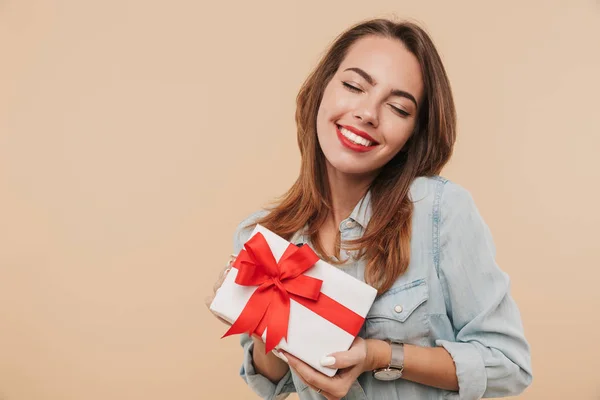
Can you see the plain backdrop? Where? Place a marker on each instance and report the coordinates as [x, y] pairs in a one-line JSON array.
[[135, 135]]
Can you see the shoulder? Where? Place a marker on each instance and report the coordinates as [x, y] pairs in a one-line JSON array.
[[440, 192], [425, 188], [245, 228], [458, 205], [444, 206], [458, 219]]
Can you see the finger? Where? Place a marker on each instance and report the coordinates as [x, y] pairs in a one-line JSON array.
[[225, 271], [323, 393], [279, 355], [342, 359], [221, 279], [232, 258], [349, 358], [309, 375], [208, 301]]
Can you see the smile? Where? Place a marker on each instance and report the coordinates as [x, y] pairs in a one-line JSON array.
[[353, 141]]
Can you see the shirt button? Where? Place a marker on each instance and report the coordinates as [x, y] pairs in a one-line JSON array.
[[349, 224], [398, 308]]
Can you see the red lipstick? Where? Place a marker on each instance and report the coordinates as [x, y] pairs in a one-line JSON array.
[[353, 146], [360, 133]]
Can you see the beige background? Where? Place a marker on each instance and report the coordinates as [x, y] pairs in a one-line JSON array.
[[135, 135]]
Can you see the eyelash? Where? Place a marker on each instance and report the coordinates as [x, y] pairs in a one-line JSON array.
[[357, 90]]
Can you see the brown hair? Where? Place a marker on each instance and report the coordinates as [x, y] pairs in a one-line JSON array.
[[386, 241]]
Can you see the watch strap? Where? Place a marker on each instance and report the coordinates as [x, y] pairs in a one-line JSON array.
[[397, 360], [395, 368]]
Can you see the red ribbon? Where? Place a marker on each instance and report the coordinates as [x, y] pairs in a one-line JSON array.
[[269, 305]]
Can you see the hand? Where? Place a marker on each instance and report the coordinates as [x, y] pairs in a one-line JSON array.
[[258, 342], [350, 363], [222, 275]]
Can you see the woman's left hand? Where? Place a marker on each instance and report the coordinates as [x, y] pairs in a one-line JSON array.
[[350, 363]]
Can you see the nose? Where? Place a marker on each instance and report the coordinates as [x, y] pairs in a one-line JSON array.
[[367, 113]]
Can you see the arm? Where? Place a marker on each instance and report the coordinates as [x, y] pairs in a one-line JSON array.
[[429, 366], [490, 353], [268, 365], [490, 356], [425, 365], [268, 376]]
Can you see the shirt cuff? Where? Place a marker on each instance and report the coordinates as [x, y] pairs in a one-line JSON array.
[[261, 385], [470, 369]]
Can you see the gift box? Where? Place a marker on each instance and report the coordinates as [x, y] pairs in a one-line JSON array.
[[292, 299]]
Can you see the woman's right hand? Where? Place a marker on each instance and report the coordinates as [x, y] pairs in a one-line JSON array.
[[274, 365], [222, 275]]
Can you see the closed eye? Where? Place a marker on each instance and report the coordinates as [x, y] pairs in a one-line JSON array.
[[400, 111], [357, 90], [351, 88]]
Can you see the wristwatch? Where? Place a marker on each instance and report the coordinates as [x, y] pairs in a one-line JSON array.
[[394, 370]]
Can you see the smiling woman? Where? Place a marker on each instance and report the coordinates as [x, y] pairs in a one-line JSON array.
[[373, 96], [376, 125]]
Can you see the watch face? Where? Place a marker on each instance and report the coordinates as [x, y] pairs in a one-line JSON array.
[[388, 374]]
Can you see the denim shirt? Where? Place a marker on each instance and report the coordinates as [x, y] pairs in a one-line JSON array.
[[453, 294]]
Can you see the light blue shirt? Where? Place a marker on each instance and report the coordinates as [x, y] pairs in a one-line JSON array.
[[452, 295]]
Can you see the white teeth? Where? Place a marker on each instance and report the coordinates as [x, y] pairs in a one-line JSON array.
[[354, 137]]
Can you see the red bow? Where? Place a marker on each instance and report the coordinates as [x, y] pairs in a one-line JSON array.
[[269, 305]]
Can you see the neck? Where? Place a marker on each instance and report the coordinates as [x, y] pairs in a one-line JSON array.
[[346, 191]]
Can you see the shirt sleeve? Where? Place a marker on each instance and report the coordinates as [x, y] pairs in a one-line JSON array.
[[260, 384], [491, 354]]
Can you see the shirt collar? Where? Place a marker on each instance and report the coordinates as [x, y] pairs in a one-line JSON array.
[[361, 214], [362, 211]]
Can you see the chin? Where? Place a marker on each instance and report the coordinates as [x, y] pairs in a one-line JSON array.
[[350, 167], [343, 161]]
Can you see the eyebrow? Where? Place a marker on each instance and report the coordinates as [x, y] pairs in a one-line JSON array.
[[395, 92]]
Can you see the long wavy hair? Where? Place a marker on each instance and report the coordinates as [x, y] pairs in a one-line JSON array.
[[386, 240]]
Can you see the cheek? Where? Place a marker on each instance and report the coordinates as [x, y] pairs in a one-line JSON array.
[[335, 103], [321, 119], [402, 133], [324, 110]]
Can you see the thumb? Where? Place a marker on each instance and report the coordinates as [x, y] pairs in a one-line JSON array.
[[342, 359]]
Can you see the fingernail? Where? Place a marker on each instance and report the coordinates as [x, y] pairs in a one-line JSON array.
[[278, 354], [327, 361]]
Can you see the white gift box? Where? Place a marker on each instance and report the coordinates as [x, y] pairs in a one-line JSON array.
[[310, 336]]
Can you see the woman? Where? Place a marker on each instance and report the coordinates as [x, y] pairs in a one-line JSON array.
[[376, 124]]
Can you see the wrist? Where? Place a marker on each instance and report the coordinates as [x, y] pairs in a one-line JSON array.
[[259, 346], [379, 354], [267, 364], [257, 340]]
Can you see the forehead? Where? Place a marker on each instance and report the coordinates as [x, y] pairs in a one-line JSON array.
[[387, 61]]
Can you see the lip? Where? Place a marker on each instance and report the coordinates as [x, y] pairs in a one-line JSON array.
[[352, 146], [359, 133]]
